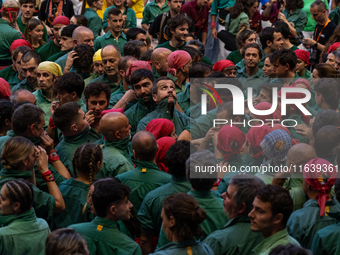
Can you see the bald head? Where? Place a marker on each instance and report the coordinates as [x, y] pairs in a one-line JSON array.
[[23, 95], [160, 53], [300, 154], [144, 146], [83, 35], [112, 126]]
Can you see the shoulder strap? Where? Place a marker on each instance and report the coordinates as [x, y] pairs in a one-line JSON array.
[[160, 28]]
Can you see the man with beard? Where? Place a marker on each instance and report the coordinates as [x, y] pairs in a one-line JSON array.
[[141, 81], [115, 128], [29, 64], [159, 60], [53, 47], [97, 98], [177, 32], [164, 95], [110, 59], [115, 35], [47, 73]]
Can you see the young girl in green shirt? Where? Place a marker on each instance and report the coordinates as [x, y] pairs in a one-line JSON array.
[[34, 33]]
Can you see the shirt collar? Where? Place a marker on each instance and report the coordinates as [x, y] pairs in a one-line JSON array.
[[108, 35], [103, 222], [266, 243]]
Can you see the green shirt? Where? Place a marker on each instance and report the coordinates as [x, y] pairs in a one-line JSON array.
[[94, 21], [334, 16], [137, 112], [7, 36], [44, 103], [91, 78], [307, 75], [293, 134], [194, 111], [251, 81], [235, 56], [152, 10], [304, 223], [220, 4], [62, 61], [68, 146], [48, 50], [281, 81], [184, 248], [168, 46], [183, 99], [206, 60], [131, 20], [13, 80], [233, 28], [23, 234], [22, 28], [104, 78], [179, 119], [327, 240], [298, 17], [43, 203], [279, 238], [143, 179], [75, 197], [7, 72], [54, 57], [183, 88], [23, 85], [234, 238], [117, 95], [107, 39], [115, 162], [149, 214], [103, 237]]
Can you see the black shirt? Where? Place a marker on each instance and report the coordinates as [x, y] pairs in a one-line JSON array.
[[155, 27], [325, 35], [44, 10]]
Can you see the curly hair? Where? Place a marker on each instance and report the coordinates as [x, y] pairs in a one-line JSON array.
[[176, 21], [284, 56], [96, 88], [294, 4], [84, 63]]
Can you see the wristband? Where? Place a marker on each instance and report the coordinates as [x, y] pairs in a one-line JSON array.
[[53, 157], [217, 182], [48, 176], [124, 100], [213, 25]]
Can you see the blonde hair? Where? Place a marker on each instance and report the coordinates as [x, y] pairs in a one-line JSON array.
[[10, 4], [15, 150]]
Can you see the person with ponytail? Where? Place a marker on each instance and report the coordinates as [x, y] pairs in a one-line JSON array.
[[34, 33], [182, 217], [87, 162], [94, 21], [18, 158], [243, 37], [22, 233]]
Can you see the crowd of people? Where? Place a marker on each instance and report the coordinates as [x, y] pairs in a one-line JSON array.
[[104, 121]]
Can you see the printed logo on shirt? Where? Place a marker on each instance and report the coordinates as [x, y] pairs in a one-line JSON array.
[[100, 227]]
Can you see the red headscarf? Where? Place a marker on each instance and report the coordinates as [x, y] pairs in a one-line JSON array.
[[164, 144], [61, 20], [266, 106], [160, 127], [220, 65], [138, 65], [255, 136], [112, 110], [5, 89], [296, 95], [321, 180], [333, 47], [20, 42], [301, 81], [9, 10], [279, 126], [176, 60], [230, 141], [303, 55]]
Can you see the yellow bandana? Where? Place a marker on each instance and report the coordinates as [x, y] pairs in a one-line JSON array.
[[51, 67]]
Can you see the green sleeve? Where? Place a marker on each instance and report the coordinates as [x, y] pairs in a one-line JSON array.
[[133, 18], [105, 17], [97, 45], [95, 25], [317, 246], [144, 216], [214, 8], [43, 204], [146, 15], [301, 22], [214, 244]]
